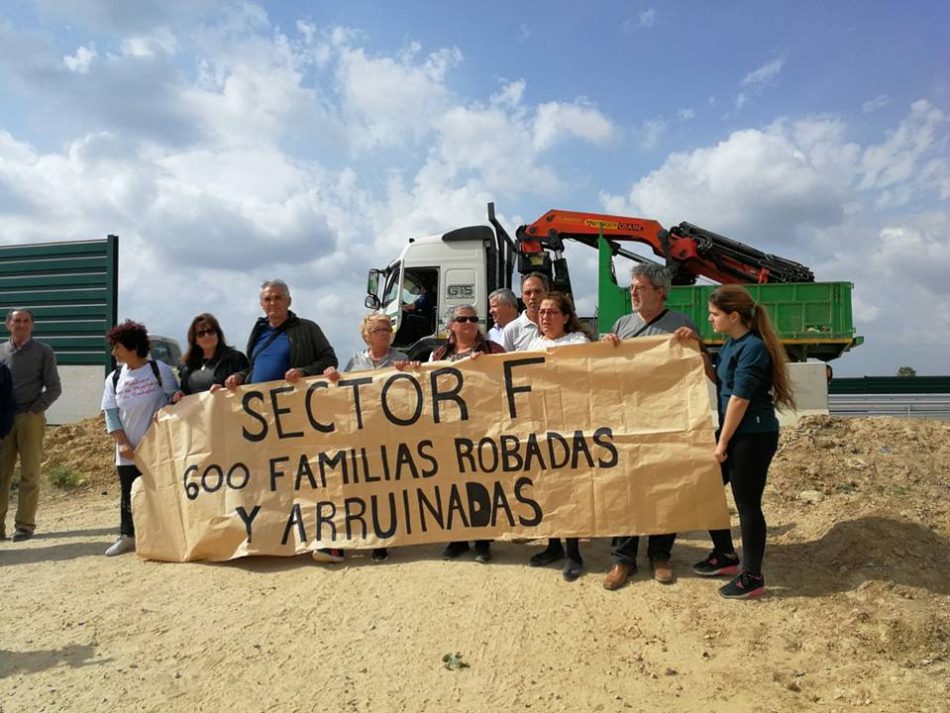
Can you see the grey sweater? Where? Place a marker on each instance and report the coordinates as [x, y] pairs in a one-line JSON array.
[[35, 378]]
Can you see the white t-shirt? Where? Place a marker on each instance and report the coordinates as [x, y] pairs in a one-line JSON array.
[[138, 396], [541, 343], [494, 334], [518, 333]]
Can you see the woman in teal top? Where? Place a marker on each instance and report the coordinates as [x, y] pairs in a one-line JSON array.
[[749, 370]]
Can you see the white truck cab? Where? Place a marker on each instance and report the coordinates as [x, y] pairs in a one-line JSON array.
[[436, 273]]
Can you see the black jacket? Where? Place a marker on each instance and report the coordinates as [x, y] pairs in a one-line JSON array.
[[230, 362], [7, 401]]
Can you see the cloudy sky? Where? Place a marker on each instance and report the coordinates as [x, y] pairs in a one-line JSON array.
[[228, 142]]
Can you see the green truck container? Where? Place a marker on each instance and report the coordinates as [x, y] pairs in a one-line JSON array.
[[813, 319]]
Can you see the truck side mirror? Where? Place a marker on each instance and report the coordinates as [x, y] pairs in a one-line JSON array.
[[371, 302], [372, 282]]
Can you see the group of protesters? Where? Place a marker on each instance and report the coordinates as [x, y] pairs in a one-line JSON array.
[[749, 371]]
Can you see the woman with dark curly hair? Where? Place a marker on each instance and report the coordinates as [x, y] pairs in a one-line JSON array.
[[133, 394], [208, 361]]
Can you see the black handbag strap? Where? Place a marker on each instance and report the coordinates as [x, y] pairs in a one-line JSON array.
[[155, 371], [653, 321], [267, 342]]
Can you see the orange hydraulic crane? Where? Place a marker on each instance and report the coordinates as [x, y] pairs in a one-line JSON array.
[[688, 250]]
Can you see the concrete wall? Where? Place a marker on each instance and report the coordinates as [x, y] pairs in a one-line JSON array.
[[811, 391], [82, 394]]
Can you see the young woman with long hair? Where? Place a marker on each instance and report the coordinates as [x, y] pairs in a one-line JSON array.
[[751, 380]]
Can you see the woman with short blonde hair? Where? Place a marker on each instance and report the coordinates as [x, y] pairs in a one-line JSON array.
[[377, 331], [374, 319]]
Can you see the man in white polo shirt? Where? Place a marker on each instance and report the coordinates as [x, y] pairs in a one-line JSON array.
[[503, 307], [521, 332]]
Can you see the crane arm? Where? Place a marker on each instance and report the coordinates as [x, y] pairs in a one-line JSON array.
[[689, 251]]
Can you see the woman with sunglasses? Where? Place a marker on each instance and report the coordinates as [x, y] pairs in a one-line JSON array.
[[377, 332], [208, 361], [559, 325], [465, 340]]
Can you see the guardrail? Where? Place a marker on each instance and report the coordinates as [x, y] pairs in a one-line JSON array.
[[936, 406]]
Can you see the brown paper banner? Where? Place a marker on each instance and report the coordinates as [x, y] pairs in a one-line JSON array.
[[580, 441]]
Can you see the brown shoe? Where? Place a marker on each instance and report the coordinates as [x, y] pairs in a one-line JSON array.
[[663, 571], [618, 575]]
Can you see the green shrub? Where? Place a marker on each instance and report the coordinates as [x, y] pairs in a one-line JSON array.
[[62, 476]]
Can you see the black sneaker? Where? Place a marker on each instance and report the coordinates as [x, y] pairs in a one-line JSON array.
[[552, 553], [454, 550], [717, 565], [745, 586], [483, 553], [380, 554]]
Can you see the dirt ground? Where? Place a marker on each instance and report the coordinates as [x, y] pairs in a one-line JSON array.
[[857, 615]]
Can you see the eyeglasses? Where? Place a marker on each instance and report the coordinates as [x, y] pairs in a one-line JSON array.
[[640, 288], [205, 332], [548, 312], [463, 320], [380, 330]]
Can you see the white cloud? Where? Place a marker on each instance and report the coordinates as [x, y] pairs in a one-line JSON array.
[[900, 292], [162, 41], [252, 90], [80, 61], [557, 121], [896, 165], [647, 18], [803, 190], [650, 132], [135, 17], [393, 102], [764, 74], [308, 30], [224, 197], [510, 94], [492, 146], [751, 179], [309, 156], [644, 20], [872, 105], [918, 247], [756, 81]]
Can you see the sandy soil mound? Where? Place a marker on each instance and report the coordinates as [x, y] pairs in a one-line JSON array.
[[857, 617], [83, 447]]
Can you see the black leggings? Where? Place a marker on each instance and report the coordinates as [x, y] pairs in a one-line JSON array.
[[745, 469], [127, 474]]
